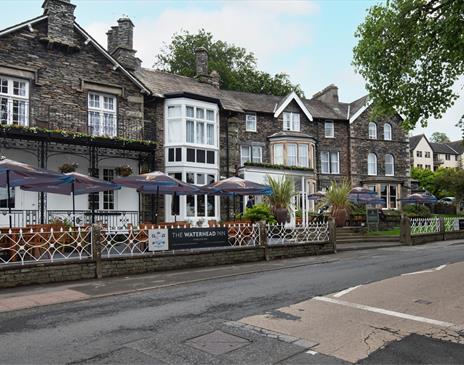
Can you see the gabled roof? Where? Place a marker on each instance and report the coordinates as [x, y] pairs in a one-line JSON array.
[[357, 107], [27, 23], [458, 146], [414, 141], [280, 107], [443, 148], [89, 39]]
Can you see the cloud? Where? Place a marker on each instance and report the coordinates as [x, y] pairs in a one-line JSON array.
[[268, 29]]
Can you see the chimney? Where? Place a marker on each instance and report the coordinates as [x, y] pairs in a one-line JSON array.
[[60, 22], [328, 94], [201, 62], [215, 79], [121, 44]]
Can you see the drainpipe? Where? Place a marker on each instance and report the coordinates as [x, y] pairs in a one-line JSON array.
[[227, 161]]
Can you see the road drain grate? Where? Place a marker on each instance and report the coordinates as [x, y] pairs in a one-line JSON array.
[[217, 342]]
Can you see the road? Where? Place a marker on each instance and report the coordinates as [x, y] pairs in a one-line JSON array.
[[357, 307]]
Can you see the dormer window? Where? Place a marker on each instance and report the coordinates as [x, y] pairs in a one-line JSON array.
[[291, 121], [250, 121]]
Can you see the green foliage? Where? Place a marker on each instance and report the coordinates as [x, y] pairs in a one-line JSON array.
[[413, 211], [439, 137], [282, 192], [260, 212], [451, 181], [358, 209], [236, 66], [337, 196], [277, 167], [411, 52], [426, 178]]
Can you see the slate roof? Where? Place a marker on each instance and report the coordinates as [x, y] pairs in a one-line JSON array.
[[414, 141], [164, 83], [357, 104], [290, 134], [458, 146], [443, 148]]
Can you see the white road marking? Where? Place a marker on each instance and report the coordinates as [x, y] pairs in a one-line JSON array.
[[389, 312], [346, 291], [311, 352], [425, 271]]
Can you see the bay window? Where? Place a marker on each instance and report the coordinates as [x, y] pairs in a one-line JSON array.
[[14, 101], [291, 121], [278, 154], [303, 155], [292, 154], [102, 115]]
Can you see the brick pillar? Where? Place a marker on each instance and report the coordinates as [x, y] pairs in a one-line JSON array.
[[441, 227], [332, 234], [405, 231], [263, 240]]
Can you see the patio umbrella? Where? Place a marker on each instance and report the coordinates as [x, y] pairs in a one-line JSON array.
[[79, 184], [418, 198], [14, 173], [316, 196], [157, 182], [236, 186]]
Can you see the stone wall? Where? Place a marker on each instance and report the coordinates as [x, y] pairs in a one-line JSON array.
[[62, 78], [361, 146], [119, 266]]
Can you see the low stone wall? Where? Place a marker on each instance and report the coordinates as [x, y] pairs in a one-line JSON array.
[[420, 239], [125, 265], [42, 273]]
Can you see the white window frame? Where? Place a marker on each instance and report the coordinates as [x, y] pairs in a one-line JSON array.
[[303, 147], [282, 161], [102, 128], [390, 163], [254, 153], [11, 98], [387, 132], [330, 162], [372, 164], [330, 124], [372, 130], [291, 121], [250, 122]]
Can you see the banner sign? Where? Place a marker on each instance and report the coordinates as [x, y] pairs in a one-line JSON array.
[[186, 238], [372, 216], [158, 239]]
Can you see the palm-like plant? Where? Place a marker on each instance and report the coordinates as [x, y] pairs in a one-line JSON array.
[[337, 197], [282, 193]]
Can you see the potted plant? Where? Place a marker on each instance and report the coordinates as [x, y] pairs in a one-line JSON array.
[[68, 167], [337, 197], [281, 197], [124, 170], [258, 213]]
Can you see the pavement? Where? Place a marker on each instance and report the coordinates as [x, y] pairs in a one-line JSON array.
[[385, 305]]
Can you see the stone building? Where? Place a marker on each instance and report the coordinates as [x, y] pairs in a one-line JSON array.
[[69, 100]]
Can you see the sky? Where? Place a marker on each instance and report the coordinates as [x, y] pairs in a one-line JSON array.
[[312, 41]]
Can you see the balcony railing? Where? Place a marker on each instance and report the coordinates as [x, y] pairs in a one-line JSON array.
[[113, 219], [74, 119]]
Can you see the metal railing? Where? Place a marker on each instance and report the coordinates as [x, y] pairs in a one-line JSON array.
[[75, 119], [285, 234], [451, 224], [425, 225], [18, 246]]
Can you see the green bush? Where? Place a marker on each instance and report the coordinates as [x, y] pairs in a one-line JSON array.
[[259, 212], [413, 211]]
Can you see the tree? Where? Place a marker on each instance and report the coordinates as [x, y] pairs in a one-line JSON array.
[[236, 66], [411, 52], [439, 137], [426, 179], [452, 181]]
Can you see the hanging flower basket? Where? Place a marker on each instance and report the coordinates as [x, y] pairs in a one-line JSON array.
[[68, 167], [124, 170]]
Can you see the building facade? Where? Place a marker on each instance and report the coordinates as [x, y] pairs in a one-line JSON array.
[[66, 100], [432, 156]]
